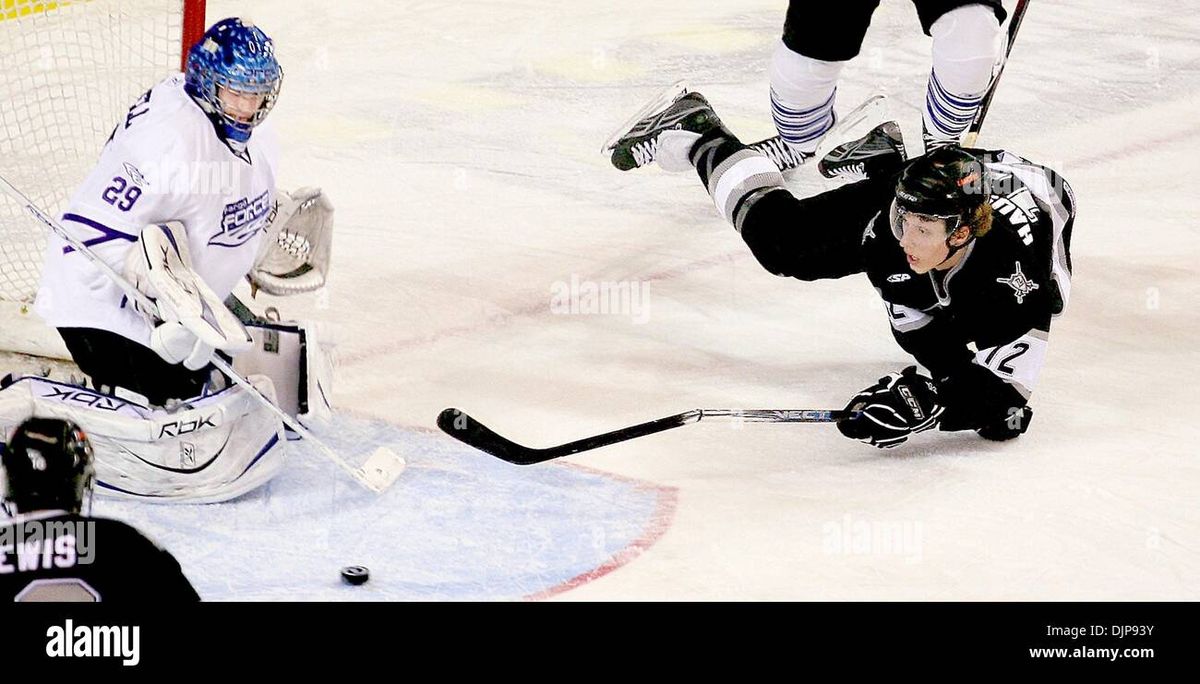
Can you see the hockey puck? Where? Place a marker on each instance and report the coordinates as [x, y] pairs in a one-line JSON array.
[[355, 574]]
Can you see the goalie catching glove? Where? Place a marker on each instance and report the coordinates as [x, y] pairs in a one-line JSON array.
[[898, 405], [191, 320], [294, 256]]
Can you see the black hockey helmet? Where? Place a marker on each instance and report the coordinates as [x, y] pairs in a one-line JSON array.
[[947, 182], [47, 465]]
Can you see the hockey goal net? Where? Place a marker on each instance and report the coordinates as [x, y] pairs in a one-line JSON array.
[[68, 71]]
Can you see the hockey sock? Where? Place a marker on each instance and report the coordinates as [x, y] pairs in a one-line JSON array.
[[803, 91], [731, 171], [966, 44]]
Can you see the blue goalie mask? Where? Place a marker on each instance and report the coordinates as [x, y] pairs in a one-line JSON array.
[[234, 76]]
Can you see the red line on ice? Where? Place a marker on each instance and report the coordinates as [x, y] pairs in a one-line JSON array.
[[660, 521]]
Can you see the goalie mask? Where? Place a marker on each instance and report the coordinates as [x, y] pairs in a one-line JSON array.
[[47, 466], [233, 74]]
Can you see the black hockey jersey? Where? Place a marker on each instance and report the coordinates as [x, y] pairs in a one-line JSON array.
[[981, 327], [59, 556]]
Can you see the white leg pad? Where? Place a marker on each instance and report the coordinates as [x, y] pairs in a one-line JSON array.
[[209, 449]]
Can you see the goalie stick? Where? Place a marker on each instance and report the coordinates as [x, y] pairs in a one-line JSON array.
[[381, 468], [471, 432]]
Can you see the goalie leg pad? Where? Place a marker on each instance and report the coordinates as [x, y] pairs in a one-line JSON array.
[[215, 448]]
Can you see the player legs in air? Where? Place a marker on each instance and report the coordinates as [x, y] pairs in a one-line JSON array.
[[807, 63]]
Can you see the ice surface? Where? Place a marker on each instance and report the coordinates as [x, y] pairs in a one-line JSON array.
[[458, 142]]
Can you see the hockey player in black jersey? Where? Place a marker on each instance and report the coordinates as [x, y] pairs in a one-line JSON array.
[[969, 250], [51, 550]]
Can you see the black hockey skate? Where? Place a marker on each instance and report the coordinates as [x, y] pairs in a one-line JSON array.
[[879, 152], [781, 154], [636, 143], [933, 142]]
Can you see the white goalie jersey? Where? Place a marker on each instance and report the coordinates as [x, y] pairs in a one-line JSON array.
[[164, 162]]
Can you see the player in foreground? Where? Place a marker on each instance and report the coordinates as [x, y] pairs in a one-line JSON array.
[[51, 549]]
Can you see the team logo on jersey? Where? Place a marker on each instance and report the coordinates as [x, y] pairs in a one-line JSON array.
[[898, 277], [241, 220], [870, 231], [134, 175], [1021, 285]]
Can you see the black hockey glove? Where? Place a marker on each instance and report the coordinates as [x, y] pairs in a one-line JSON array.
[[1012, 426], [892, 409]]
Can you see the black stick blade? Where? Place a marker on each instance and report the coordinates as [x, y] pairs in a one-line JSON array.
[[471, 432], [475, 434]]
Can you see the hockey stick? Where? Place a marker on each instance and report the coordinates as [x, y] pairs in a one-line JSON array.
[[380, 469], [1014, 23], [471, 432]]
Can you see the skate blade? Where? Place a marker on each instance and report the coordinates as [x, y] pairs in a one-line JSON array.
[[661, 101], [854, 124]]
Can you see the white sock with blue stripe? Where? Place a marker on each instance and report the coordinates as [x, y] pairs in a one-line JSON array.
[[803, 91], [966, 45]]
